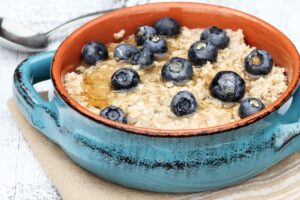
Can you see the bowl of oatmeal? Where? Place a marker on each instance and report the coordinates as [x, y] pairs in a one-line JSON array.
[[169, 97]]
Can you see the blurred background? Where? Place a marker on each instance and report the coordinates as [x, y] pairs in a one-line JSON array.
[[20, 174]]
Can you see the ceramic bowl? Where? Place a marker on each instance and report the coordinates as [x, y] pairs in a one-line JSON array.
[[177, 161]]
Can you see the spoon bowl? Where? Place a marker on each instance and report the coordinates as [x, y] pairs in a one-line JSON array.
[[18, 37]]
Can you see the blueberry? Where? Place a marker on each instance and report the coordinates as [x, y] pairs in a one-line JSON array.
[[201, 52], [216, 36], [123, 52], [93, 52], [184, 103], [114, 113], [177, 70], [134, 60], [167, 26], [124, 79], [250, 106], [227, 86], [144, 58], [143, 33], [259, 62], [156, 44]]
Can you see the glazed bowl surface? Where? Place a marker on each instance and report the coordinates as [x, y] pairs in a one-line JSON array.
[[175, 161]]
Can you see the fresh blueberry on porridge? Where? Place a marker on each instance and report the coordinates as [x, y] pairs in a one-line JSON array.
[[124, 79], [258, 62], [134, 60], [167, 26], [216, 36], [201, 52], [143, 33], [184, 103], [123, 52], [165, 77], [177, 70], [227, 86], [144, 58], [93, 52], [156, 44], [250, 106], [114, 113]]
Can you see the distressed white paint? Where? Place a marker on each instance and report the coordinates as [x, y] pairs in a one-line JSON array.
[[20, 174]]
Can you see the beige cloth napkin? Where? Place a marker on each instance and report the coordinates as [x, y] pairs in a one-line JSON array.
[[74, 183]]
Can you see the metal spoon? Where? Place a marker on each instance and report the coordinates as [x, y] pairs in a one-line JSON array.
[[18, 37]]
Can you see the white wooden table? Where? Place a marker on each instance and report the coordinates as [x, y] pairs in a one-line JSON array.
[[20, 174]]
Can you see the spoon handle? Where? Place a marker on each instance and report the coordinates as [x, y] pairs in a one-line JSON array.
[[76, 21]]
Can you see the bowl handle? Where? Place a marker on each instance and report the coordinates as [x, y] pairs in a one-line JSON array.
[[286, 136], [41, 113]]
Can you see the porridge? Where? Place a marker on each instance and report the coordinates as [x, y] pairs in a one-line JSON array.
[[173, 87]]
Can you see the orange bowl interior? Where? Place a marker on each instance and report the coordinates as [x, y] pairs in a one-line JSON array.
[[192, 15]]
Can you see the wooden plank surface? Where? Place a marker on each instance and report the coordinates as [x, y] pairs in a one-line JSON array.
[[20, 174]]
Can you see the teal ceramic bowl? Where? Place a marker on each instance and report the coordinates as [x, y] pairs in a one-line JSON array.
[[175, 161]]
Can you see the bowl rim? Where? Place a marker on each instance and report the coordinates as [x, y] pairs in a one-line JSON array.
[[155, 132]]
